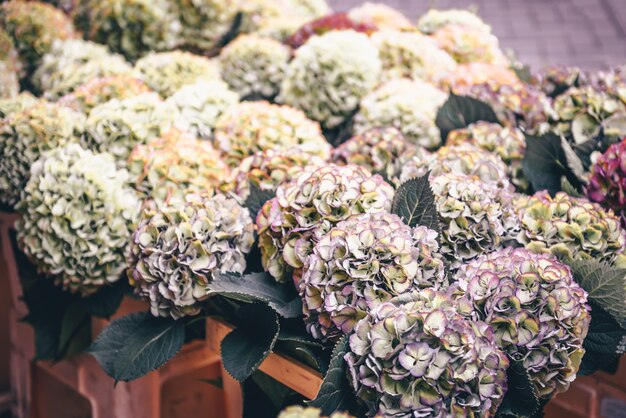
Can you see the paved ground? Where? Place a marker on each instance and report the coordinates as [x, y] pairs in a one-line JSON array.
[[587, 33]]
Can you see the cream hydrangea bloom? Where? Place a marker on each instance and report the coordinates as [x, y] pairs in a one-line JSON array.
[[435, 19], [379, 15]]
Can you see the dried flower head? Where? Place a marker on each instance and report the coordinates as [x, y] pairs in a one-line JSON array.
[[330, 74], [25, 135], [332, 22], [362, 262], [179, 249], [250, 127], [166, 72], [408, 105], [417, 356], [10, 67], [469, 44], [436, 19], [305, 209], [379, 15], [77, 214], [254, 66], [537, 310]]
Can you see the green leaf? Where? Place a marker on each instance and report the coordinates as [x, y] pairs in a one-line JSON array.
[[107, 300], [336, 394], [458, 112], [245, 347], [257, 198], [520, 400], [545, 163], [281, 297], [604, 343], [134, 345], [273, 396], [414, 202], [568, 188], [75, 323], [605, 285]]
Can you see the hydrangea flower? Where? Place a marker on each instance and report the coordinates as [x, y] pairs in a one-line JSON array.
[[254, 66], [100, 90], [166, 72], [379, 15], [469, 44], [259, 14], [65, 54], [537, 310], [518, 105], [362, 262], [607, 184], [307, 208], [408, 105], [77, 213], [569, 228], [250, 127], [25, 135], [118, 125], [174, 165], [204, 23], [330, 74], [131, 27], [309, 412], [329, 23], [506, 142], [34, 26], [383, 151], [435, 19], [579, 112], [15, 104], [10, 67], [476, 216], [554, 80], [412, 55], [473, 73], [200, 105], [177, 251], [417, 356], [465, 159], [270, 168]]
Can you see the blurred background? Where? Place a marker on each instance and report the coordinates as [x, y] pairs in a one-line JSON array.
[[590, 34]]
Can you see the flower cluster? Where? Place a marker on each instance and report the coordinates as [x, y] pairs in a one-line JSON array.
[[473, 73], [417, 356], [408, 105], [383, 151], [362, 262], [100, 90], [154, 28], [412, 55], [506, 142], [262, 14], [379, 15], [570, 228], [10, 67], [469, 44], [554, 80], [250, 127], [580, 111], [15, 104], [77, 215], [254, 66], [332, 22], [34, 26], [465, 159], [25, 135], [307, 208], [178, 250], [517, 105], [538, 312], [166, 72], [200, 105], [330, 74], [607, 184], [118, 125], [435, 19], [476, 216], [203, 23], [270, 168], [174, 165]]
